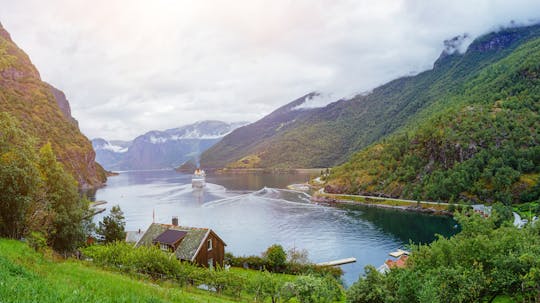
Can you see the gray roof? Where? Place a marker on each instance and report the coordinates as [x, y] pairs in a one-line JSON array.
[[133, 236], [188, 247]]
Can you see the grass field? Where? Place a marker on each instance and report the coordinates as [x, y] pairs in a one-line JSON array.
[[27, 276]]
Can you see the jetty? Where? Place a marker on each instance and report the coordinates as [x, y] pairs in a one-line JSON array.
[[337, 262], [399, 253], [94, 209]]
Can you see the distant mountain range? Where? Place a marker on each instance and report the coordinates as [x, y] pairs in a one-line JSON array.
[[44, 112], [162, 149]]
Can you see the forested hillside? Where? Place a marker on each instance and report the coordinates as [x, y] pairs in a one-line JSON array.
[[328, 136], [44, 112], [481, 143]]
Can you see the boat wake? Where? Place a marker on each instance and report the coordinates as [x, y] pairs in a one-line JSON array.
[[267, 194]]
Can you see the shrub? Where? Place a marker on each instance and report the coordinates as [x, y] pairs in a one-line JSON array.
[[37, 241], [275, 257]]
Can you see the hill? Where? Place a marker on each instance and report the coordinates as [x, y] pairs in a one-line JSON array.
[[479, 142], [294, 136], [44, 112]]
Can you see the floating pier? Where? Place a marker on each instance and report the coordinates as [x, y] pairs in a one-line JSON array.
[[399, 253], [337, 262]]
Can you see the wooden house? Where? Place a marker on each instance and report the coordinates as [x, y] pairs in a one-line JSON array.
[[201, 246]]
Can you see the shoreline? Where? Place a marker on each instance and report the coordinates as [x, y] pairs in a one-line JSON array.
[[318, 196], [234, 171], [427, 210], [425, 207]]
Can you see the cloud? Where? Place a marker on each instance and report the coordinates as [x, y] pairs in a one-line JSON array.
[[129, 66]]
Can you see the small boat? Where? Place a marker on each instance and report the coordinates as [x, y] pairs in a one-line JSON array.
[[198, 178]]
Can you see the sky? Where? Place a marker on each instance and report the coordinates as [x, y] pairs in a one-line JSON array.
[[130, 66]]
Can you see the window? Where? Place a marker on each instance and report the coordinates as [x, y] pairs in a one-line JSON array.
[[211, 263], [209, 244], [163, 246]]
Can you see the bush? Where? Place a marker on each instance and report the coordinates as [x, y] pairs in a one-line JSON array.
[[298, 264], [266, 285], [310, 289], [37, 241], [275, 257], [152, 262]]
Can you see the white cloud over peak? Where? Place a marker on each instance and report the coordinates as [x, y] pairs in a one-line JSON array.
[[129, 66]]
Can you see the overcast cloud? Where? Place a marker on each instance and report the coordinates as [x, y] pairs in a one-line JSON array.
[[130, 66]]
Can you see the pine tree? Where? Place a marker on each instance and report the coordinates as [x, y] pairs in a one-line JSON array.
[[112, 228]]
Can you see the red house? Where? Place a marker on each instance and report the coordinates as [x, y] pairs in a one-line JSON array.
[[201, 246]]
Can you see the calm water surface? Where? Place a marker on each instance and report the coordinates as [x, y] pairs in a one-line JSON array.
[[250, 213]]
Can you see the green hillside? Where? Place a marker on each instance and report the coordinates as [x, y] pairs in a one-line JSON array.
[[329, 136], [476, 143], [26, 276], [44, 113]]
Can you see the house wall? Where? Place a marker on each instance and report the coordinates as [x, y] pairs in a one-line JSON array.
[[217, 253]]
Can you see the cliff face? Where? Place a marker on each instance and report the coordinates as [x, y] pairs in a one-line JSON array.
[[44, 111]]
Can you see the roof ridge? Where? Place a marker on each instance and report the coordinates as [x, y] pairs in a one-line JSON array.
[[181, 226]]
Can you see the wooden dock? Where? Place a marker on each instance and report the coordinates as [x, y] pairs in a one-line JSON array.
[[97, 203], [94, 209], [337, 262]]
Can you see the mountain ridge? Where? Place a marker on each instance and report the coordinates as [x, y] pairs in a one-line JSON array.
[[44, 112], [157, 149], [482, 147], [328, 136]]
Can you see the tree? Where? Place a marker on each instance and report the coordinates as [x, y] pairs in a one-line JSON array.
[[266, 285], [368, 289], [275, 256], [297, 256], [112, 228], [311, 289], [19, 177], [60, 189]]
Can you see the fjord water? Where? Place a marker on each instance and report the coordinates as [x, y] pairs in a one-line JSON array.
[[250, 212]]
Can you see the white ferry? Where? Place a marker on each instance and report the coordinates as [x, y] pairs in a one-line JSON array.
[[198, 178]]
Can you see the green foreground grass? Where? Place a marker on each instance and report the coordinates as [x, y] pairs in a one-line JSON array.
[[27, 276]]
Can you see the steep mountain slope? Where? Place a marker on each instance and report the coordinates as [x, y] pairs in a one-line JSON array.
[[330, 135], [162, 149], [45, 113], [250, 139], [484, 146]]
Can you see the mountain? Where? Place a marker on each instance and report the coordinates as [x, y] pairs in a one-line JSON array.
[[162, 149], [44, 112], [246, 144], [295, 136], [109, 153], [479, 142]]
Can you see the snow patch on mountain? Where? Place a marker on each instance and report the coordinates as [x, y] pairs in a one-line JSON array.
[[115, 148], [102, 144]]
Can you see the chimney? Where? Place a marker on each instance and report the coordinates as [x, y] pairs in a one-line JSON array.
[[175, 220]]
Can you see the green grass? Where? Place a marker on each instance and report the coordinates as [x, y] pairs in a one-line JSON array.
[[250, 274], [27, 276]]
